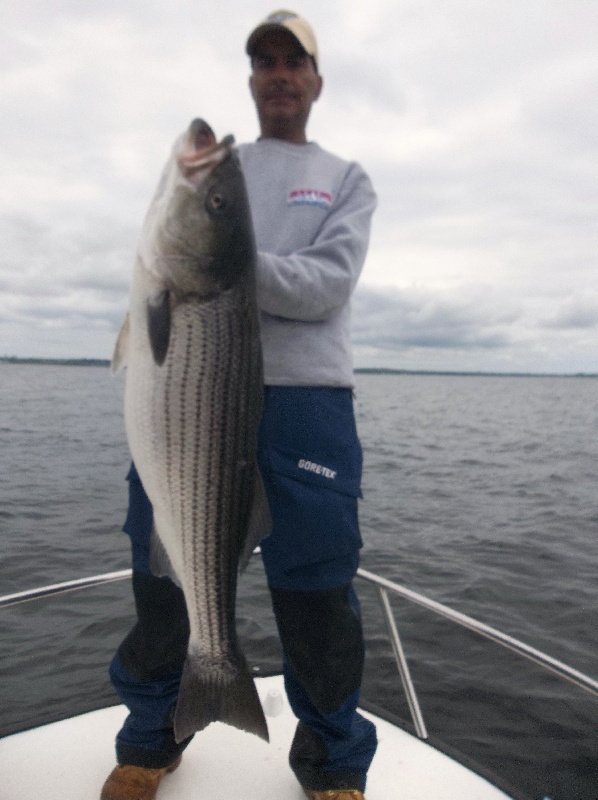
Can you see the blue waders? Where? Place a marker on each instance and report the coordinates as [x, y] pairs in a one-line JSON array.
[[310, 459]]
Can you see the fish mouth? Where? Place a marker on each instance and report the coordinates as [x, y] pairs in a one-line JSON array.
[[199, 149]]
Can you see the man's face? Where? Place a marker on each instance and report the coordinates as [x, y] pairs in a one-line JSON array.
[[284, 84]]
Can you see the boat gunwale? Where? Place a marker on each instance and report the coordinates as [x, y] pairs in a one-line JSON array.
[[550, 664]]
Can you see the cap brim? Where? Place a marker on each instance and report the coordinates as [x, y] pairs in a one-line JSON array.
[[257, 34]]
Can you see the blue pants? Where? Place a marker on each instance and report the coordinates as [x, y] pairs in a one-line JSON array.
[[310, 459]]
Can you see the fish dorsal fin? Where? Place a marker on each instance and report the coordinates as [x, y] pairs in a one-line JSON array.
[[260, 521], [158, 325], [121, 348], [159, 561]]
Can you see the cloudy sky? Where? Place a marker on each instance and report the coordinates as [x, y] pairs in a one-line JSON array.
[[476, 119]]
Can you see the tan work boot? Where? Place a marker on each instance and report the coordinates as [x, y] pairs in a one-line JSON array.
[[334, 794], [127, 782]]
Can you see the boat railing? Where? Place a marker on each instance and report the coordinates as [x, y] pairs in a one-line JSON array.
[[384, 588], [62, 588]]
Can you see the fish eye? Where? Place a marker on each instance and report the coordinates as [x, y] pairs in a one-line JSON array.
[[217, 201]]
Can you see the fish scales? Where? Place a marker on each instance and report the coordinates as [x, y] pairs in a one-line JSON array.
[[205, 431], [192, 405]]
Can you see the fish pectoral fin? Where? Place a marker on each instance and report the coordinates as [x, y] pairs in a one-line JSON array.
[[260, 521], [159, 560], [121, 348], [158, 325]]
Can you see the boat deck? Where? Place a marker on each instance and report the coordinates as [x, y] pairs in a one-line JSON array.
[[69, 760]]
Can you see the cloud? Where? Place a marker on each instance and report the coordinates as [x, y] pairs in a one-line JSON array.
[[470, 319], [578, 312], [472, 327], [476, 122], [63, 290]]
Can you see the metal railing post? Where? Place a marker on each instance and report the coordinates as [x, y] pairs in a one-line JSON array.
[[403, 667]]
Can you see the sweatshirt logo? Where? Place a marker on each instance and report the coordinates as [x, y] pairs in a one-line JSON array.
[[309, 197]]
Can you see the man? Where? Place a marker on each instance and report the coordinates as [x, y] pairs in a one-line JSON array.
[[311, 213]]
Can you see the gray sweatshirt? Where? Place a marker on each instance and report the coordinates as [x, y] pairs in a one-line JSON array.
[[311, 213]]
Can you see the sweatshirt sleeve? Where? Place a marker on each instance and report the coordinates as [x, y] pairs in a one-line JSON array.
[[312, 283]]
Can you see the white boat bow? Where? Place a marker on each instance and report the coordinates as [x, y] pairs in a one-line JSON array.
[[69, 760]]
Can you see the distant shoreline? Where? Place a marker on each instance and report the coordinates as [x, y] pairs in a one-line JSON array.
[[472, 373], [102, 362], [57, 362]]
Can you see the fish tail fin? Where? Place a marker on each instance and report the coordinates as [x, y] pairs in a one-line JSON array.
[[205, 697]]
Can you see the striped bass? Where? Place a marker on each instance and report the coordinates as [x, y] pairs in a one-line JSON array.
[[193, 395]]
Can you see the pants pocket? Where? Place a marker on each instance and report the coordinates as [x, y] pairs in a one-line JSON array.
[[313, 507]]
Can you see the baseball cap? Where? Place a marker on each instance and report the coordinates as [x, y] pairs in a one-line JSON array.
[[299, 27]]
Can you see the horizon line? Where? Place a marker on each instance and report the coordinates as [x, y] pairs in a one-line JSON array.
[[104, 362]]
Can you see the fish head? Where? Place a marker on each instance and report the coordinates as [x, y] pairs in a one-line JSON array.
[[198, 232]]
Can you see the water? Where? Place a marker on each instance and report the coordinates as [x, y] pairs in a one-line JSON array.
[[479, 492]]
